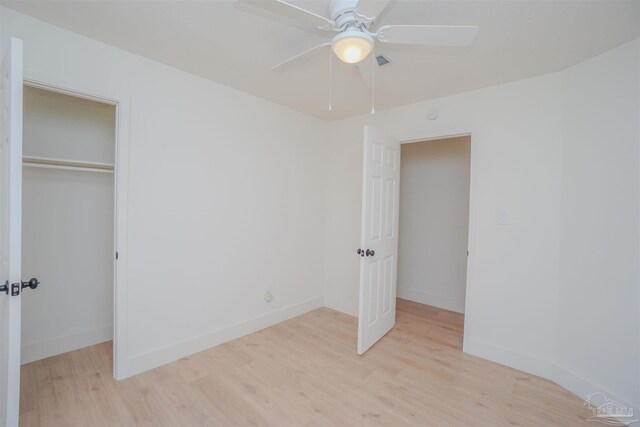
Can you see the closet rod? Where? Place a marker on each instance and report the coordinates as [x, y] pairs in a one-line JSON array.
[[62, 164]]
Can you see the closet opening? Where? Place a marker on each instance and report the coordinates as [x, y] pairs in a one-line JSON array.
[[68, 222], [433, 236]]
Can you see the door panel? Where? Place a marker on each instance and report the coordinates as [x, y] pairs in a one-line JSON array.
[[11, 230], [378, 271]]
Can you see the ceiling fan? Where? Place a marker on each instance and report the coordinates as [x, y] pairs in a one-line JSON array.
[[355, 21]]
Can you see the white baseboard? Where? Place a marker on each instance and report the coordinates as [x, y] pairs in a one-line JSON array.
[[564, 378], [144, 362], [42, 350], [431, 299], [509, 358], [342, 308], [583, 388]]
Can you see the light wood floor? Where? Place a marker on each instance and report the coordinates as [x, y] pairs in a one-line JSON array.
[[303, 372]]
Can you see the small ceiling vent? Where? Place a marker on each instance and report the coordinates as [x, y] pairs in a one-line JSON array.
[[382, 60]]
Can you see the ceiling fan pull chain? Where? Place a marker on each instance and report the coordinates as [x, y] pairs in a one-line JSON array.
[[373, 83], [330, 83]]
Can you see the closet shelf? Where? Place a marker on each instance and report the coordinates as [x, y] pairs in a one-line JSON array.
[[63, 164]]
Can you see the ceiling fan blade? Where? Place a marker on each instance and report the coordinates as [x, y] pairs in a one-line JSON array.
[[436, 35], [298, 58], [371, 9], [294, 12]]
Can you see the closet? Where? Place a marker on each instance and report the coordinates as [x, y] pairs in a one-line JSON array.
[[67, 222]]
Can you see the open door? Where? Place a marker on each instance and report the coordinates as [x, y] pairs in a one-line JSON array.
[[379, 249], [10, 233]]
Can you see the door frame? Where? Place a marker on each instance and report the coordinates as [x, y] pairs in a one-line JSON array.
[[473, 167], [121, 186]]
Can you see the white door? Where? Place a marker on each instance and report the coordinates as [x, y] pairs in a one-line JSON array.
[[379, 246], [10, 233]]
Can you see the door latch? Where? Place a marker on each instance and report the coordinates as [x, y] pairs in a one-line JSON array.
[[16, 288]]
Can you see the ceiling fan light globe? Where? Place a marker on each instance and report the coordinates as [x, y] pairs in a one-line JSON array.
[[352, 54], [352, 46]]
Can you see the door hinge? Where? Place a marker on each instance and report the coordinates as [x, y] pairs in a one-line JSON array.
[[467, 253], [116, 255], [5, 288]]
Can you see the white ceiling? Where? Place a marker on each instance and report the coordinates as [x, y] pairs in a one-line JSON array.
[[236, 44]]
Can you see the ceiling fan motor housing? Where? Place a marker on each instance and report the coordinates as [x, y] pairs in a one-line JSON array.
[[341, 12]]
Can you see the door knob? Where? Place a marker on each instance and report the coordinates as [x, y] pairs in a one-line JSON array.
[[31, 284], [370, 252]]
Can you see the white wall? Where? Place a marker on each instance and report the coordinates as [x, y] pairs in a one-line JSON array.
[[434, 215], [228, 192], [515, 149], [68, 224], [67, 243], [225, 196], [528, 138], [598, 307]]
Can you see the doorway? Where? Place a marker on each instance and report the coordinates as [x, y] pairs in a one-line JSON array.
[[68, 222], [434, 222], [383, 171]]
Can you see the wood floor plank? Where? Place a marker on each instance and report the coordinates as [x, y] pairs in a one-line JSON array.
[[303, 372]]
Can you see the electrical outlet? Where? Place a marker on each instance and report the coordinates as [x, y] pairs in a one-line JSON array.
[[268, 297]]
